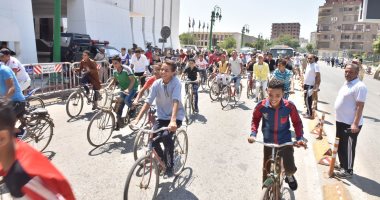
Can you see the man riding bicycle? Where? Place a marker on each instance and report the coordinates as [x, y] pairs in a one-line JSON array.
[[202, 65], [261, 74], [170, 112], [274, 112], [236, 67], [193, 74], [90, 75], [128, 84], [223, 68]]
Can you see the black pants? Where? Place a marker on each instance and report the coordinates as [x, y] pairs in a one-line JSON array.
[[140, 75], [168, 142], [308, 99], [287, 155], [347, 145]]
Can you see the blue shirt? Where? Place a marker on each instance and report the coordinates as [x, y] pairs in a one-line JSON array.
[[285, 76], [165, 95], [5, 74]]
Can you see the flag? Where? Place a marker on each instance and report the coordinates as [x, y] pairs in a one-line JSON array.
[[199, 26], [189, 22], [207, 26], [193, 23], [204, 25]]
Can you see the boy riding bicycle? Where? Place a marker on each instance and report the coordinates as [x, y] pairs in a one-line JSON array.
[[193, 74], [170, 112], [275, 112]]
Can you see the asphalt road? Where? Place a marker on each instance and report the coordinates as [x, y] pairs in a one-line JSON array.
[[365, 184], [221, 164]]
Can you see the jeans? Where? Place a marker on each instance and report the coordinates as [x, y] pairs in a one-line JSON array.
[[236, 80], [167, 155], [203, 74], [85, 80], [287, 155], [127, 99]]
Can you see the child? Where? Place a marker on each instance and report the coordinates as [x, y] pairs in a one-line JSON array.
[[27, 173], [193, 74], [275, 112], [170, 112]]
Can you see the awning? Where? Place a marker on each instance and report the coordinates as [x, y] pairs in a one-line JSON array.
[[10, 32]]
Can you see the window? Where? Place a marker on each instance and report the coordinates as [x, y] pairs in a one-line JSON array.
[[325, 37], [345, 37], [368, 27], [325, 45]]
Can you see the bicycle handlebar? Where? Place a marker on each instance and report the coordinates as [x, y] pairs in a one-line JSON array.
[[276, 145], [148, 130]]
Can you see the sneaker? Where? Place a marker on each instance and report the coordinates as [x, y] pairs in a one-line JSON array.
[[256, 100], [292, 182], [196, 110], [342, 173], [169, 173], [94, 107]]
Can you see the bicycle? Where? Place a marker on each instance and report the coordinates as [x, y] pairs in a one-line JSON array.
[[74, 103], [33, 102], [251, 85], [189, 100], [216, 87], [273, 184], [35, 124], [229, 92], [261, 95], [104, 121], [204, 77], [145, 172]]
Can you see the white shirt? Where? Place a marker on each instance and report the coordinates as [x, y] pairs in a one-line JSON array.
[[297, 60], [139, 65], [235, 65], [311, 73], [201, 64], [345, 103], [123, 58], [16, 66]]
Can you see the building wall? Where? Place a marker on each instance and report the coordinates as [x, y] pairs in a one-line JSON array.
[[16, 18], [292, 29], [202, 38], [339, 30]]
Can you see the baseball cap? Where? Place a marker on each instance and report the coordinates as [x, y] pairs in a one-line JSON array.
[[5, 51], [1, 54]]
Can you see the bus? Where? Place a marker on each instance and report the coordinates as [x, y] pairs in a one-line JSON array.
[[281, 51]]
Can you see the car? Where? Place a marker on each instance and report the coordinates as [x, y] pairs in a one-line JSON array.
[[109, 50]]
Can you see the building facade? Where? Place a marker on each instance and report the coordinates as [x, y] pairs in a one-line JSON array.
[[339, 34], [279, 29], [121, 22], [202, 38]]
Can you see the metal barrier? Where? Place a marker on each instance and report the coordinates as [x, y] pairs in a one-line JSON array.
[[50, 77], [105, 70]]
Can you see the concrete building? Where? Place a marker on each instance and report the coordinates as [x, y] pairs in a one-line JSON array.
[[339, 32], [279, 29], [303, 42], [202, 38], [313, 38], [121, 22]]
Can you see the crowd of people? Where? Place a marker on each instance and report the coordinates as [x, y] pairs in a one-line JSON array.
[[130, 70]]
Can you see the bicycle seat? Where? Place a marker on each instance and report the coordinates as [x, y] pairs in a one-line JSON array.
[[39, 111]]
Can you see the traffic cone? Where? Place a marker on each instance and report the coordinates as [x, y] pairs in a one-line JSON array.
[[333, 157]]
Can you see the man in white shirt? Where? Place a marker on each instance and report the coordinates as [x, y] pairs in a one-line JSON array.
[[349, 106], [311, 84], [202, 66], [139, 64], [12, 62], [236, 66]]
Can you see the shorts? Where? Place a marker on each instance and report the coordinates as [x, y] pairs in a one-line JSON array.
[[24, 84], [18, 108]]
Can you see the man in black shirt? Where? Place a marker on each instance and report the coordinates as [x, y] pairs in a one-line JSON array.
[[271, 62], [192, 74], [289, 64]]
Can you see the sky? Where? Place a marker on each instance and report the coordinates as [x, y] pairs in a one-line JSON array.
[[258, 14]]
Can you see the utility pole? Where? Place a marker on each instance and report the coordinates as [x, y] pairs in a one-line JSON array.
[[244, 30], [215, 14], [57, 31]]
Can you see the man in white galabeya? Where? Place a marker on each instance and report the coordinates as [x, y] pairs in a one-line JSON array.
[[349, 106], [12, 62]]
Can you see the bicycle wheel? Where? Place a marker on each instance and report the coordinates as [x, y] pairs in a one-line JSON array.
[[225, 96], [180, 151], [268, 193], [188, 108], [74, 104], [203, 83], [34, 102], [249, 90], [39, 133], [238, 94], [102, 101], [140, 145], [102, 125], [214, 92], [142, 181]]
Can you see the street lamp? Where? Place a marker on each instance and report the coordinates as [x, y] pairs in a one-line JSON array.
[[215, 14], [244, 30]]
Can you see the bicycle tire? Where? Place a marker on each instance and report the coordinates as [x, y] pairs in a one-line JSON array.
[[203, 83], [104, 98], [238, 95], [225, 96], [34, 102], [34, 138], [142, 163], [214, 92], [180, 151], [139, 143], [187, 109], [103, 117], [267, 193], [78, 99], [249, 90]]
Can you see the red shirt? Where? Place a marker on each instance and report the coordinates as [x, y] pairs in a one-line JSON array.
[[149, 55], [32, 176], [149, 83]]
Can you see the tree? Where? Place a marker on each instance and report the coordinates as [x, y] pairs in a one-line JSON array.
[[287, 40], [376, 46], [228, 43], [310, 48], [187, 38], [247, 44]]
